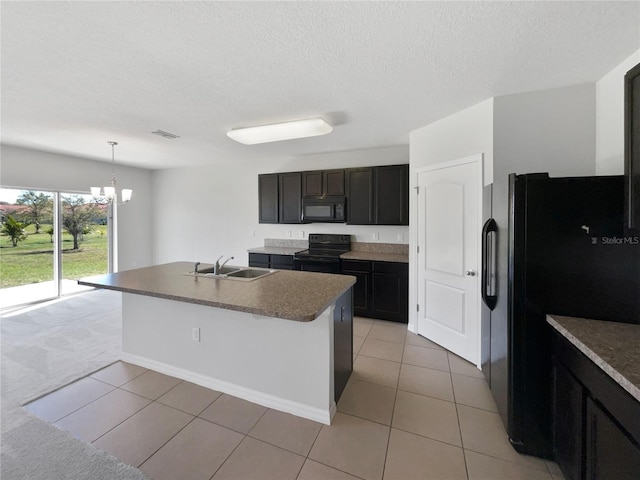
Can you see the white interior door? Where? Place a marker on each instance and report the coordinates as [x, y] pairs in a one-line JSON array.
[[448, 233]]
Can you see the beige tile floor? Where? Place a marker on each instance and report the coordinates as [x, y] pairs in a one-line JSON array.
[[411, 410]]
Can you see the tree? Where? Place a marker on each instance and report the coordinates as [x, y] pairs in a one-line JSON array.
[[38, 205], [77, 217], [50, 232], [14, 230]]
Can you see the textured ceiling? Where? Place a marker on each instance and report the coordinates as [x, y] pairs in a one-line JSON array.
[[77, 74]]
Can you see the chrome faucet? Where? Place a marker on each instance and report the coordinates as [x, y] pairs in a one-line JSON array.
[[217, 266], [195, 267]]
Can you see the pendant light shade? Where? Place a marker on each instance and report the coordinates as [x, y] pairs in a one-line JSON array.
[[108, 193]]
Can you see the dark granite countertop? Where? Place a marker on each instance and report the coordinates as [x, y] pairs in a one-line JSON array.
[[613, 346], [292, 295], [276, 250]]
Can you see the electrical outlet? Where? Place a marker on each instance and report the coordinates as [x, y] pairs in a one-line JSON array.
[[399, 237], [252, 233], [376, 236], [195, 334], [301, 234], [288, 233]]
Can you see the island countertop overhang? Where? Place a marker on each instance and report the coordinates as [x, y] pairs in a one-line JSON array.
[[291, 295]]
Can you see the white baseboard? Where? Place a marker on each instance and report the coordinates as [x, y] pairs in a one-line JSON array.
[[261, 398]]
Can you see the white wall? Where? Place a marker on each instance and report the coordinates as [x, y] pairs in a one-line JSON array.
[[34, 169], [610, 118], [216, 208], [460, 135], [545, 131]]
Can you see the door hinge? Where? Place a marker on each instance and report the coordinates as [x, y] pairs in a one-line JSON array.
[[417, 307], [417, 190], [418, 249]]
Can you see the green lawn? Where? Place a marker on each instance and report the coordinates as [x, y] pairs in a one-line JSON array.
[[32, 260]]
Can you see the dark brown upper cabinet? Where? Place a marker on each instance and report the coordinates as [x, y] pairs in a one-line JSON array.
[[632, 148], [360, 206], [378, 195], [323, 183], [290, 197], [268, 198], [374, 195], [391, 195]]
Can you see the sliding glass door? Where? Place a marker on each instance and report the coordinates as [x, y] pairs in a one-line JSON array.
[[85, 240], [48, 240], [28, 259]]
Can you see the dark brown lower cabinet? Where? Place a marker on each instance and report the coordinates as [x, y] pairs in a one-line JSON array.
[[568, 401], [342, 343], [609, 451], [361, 269], [265, 260], [596, 421], [381, 290]]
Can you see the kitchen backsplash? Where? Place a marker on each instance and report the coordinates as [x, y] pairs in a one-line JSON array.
[[285, 242]]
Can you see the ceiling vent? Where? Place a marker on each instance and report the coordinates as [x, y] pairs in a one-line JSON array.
[[164, 134]]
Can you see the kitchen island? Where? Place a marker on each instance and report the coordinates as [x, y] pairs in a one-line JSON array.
[[281, 340]]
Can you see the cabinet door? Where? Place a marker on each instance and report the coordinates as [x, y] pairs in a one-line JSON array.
[[268, 198], [281, 262], [632, 148], [361, 269], [290, 197], [567, 429], [360, 196], [609, 452], [360, 292], [259, 260], [342, 343], [392, 195], [389, 291], [333, 182], [312, 184]]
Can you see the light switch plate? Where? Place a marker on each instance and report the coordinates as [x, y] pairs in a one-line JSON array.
[[195, 334], [376, 236]]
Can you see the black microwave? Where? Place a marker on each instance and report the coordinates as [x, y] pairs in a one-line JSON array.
[[323, 209]]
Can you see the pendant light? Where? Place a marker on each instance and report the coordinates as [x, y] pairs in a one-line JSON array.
[[109, 192]]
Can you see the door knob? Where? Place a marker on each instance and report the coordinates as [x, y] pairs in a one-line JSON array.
[[471, 273]]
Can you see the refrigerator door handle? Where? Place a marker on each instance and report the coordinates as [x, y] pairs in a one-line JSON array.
[[488, 278]]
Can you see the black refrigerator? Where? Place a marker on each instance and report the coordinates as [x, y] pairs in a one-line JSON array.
[[563, 251]]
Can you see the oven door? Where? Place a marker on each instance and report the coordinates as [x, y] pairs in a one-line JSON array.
[[317, 264]]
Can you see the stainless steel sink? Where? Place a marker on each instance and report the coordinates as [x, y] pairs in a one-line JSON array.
[[221, 271], [231, 272], [249, 273]]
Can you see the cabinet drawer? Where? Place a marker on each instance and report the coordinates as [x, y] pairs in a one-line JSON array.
[[356, 265], [390, 267], [278, 261], [262, 258]]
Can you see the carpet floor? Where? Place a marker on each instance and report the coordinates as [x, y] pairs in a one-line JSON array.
[[43, 348]]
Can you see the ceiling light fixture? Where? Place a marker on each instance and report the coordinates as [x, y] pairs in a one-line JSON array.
[[275, 132], [109, 193]]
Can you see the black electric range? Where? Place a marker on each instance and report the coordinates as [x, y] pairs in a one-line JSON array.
[[323, 254]]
